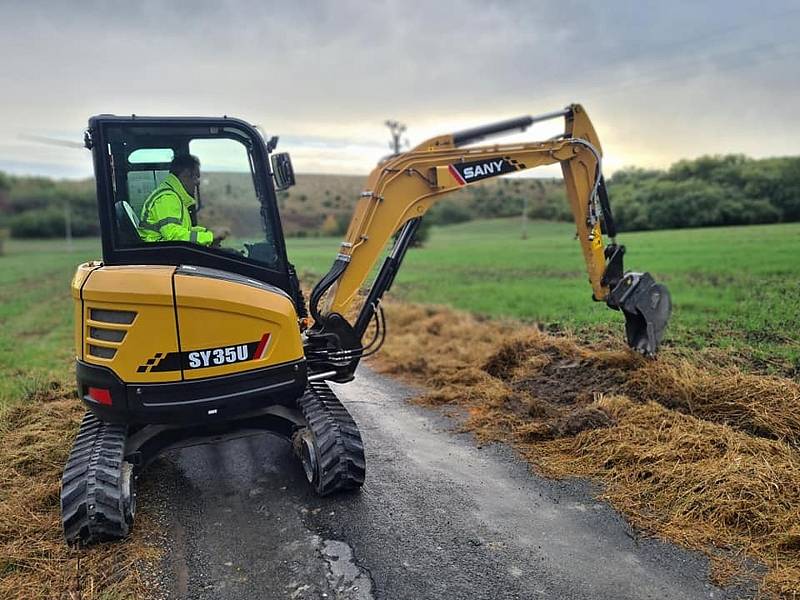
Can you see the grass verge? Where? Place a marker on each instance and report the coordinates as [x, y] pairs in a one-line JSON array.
[[35, 437], [701, 455], [39, 417]]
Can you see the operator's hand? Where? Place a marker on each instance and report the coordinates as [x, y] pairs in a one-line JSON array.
[[220, 235]]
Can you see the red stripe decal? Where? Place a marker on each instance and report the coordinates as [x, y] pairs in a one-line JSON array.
[[456, 175], [262, 346]]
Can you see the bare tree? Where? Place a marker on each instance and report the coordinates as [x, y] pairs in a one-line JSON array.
[[397, 129]]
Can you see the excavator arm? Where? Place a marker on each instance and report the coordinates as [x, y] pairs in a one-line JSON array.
[[401, 189]]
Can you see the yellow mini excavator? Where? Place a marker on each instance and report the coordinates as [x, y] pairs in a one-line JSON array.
[[179, 343]]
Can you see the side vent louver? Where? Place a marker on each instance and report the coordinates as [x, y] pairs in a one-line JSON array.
[[120, 317], [106, 330], [101, 352], [107, 335]]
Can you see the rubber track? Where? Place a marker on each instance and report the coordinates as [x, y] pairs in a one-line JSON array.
[[91, 503], [340, 451]]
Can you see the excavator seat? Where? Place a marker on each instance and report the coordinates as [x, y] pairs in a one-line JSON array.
[[127, 224]]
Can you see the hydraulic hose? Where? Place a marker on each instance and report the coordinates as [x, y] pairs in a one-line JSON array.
[[336, 270]]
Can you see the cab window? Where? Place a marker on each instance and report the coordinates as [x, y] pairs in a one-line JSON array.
[[217, 208]]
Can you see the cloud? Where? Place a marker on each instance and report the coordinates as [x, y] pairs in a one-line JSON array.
[[662, 81]]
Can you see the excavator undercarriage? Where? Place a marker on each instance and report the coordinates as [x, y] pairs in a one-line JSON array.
[[179, 344]]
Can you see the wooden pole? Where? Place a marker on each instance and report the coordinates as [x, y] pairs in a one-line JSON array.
[[68, 224], [525, 217]]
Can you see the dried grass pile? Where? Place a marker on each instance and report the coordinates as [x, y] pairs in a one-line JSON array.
[[35, 438], [703, 455]]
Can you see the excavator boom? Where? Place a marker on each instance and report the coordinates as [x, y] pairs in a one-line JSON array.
[[401, 189]]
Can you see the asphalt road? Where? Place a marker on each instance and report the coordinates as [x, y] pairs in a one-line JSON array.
[[438, 517]]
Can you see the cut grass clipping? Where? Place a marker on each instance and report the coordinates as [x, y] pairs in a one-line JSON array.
[[704, 456], [35, 562]]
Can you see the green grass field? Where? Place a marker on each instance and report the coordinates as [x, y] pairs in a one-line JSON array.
[[735, 288], [36, 314]]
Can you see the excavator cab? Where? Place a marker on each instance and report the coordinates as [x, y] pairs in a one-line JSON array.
[[168, 329], [237, 193]]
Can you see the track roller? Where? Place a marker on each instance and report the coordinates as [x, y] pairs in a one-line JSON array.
[[98, 495], [330, 447]]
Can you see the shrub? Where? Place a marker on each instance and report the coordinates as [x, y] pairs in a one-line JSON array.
[[447, 213]]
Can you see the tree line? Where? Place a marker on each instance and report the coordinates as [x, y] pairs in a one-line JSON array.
[[37, 207], [708, 191]]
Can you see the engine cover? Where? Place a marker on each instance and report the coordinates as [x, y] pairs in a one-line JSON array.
[[154, 324]]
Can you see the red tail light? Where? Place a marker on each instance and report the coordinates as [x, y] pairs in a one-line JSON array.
[[101, 395]]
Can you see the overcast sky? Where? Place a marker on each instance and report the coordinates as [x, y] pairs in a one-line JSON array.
[[662, 80]]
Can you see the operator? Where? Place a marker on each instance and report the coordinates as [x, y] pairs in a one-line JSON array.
[[165, 213]]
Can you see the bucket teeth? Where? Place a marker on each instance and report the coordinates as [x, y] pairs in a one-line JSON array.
[[647, 306]]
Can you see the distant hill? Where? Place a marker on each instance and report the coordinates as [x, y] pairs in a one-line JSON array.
[[228, 200], [317, 205], [322, 204]]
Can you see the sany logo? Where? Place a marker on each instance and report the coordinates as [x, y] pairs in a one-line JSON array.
[[468, 172], [218, 356], [490, 168]]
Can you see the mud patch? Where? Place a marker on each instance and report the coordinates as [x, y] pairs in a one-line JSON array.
[[571, 381]]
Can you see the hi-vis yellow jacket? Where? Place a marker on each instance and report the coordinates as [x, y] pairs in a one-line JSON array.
[[165, 216]]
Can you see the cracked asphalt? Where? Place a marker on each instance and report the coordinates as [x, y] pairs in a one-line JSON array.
[[438, 517]]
